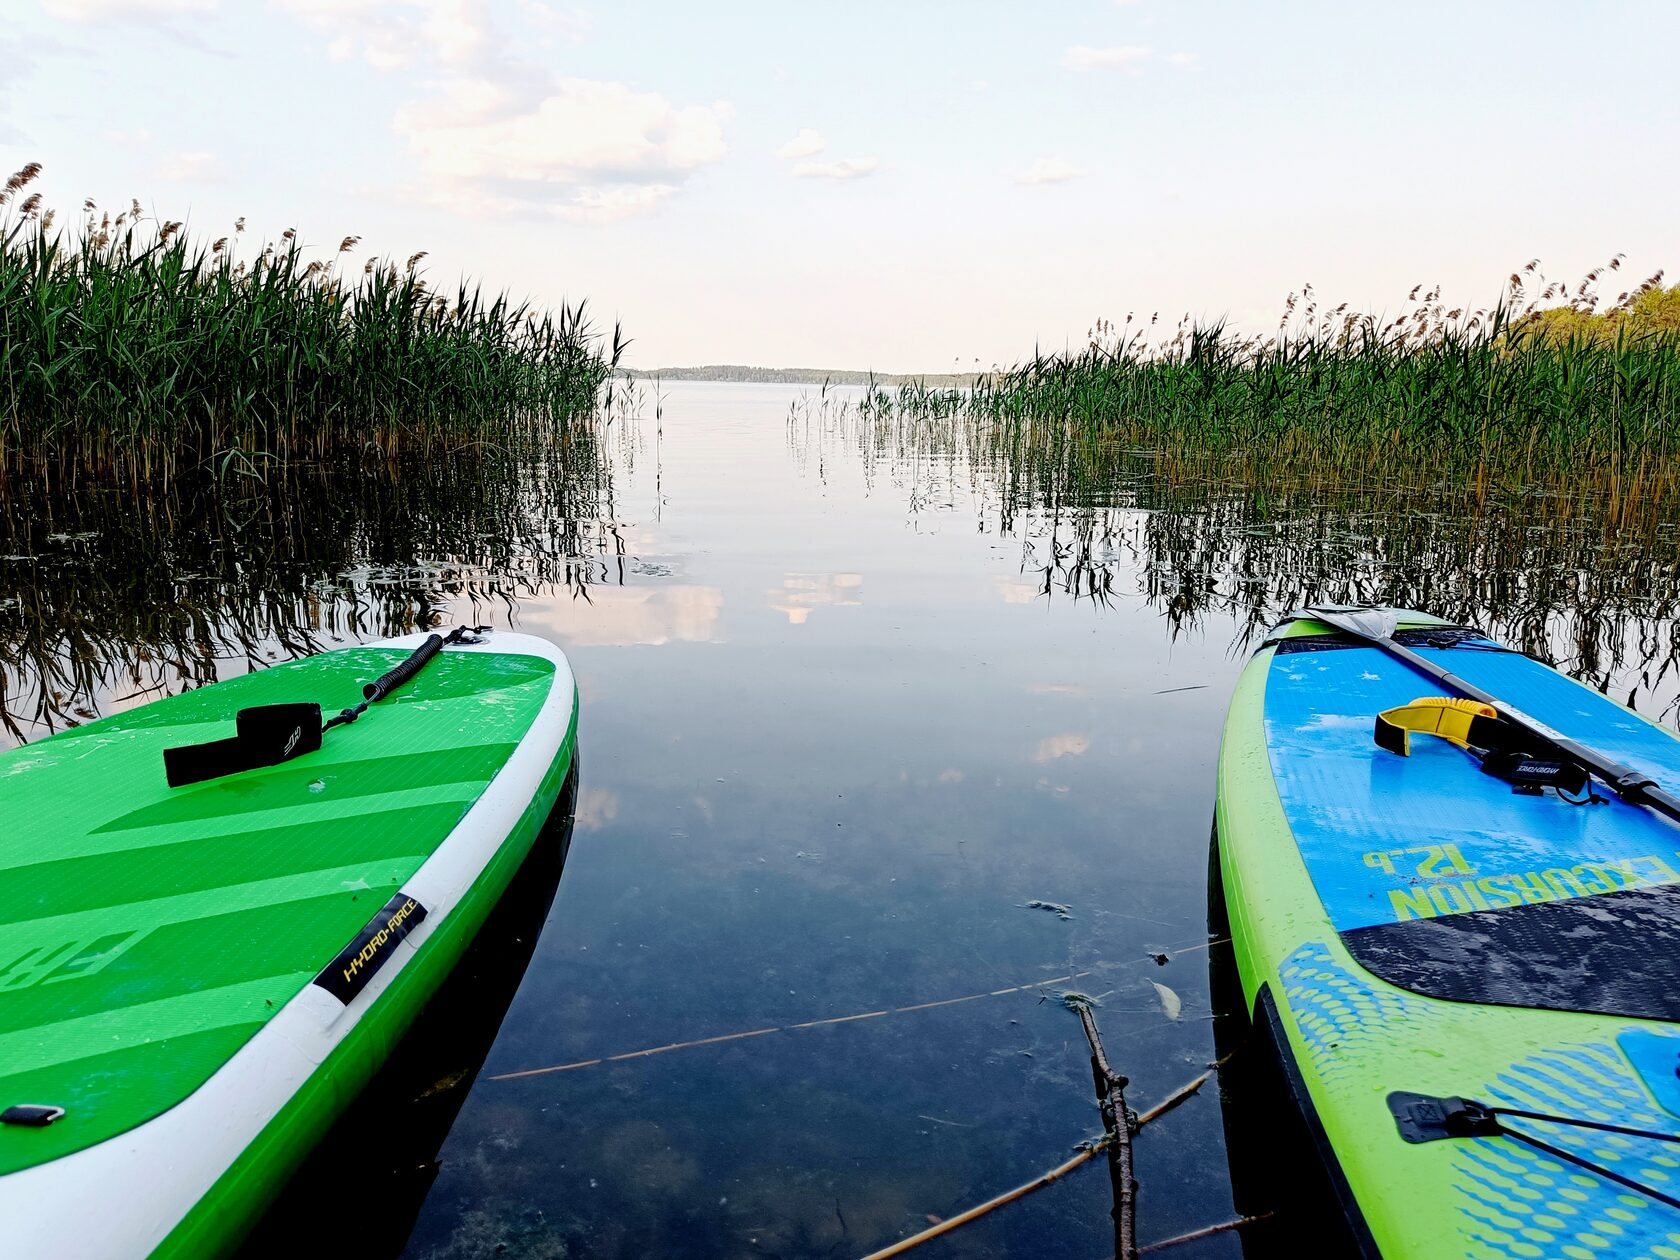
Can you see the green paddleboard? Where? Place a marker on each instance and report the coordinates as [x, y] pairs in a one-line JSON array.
[[195, 981], [1472, 983]]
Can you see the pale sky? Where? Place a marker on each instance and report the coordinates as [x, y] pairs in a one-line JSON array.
[[904, 186]]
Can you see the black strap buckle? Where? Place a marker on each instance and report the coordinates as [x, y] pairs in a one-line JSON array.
[[1426, 1118], [1530, 776]]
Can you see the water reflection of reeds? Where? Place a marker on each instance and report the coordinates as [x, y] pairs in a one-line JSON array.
[[1215, 537], [114, 589]]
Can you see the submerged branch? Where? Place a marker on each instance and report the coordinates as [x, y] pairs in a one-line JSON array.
[[1120, 1124], [1085, 1155]]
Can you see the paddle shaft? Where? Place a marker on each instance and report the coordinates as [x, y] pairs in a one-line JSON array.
[[1633, 786]]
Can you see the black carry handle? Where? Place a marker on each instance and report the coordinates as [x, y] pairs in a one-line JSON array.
[[272, 733], [1633, 786], [265, 736]]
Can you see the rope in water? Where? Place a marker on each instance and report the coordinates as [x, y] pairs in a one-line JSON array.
[[1029, 987]]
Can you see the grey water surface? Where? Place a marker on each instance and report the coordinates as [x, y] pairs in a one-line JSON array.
[[833, 750]]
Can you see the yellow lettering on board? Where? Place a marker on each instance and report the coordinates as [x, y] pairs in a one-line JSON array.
[[1410, 903], [1557, 878], [1449, 898], [1665, 874], [1498, 889], [1556, 883]]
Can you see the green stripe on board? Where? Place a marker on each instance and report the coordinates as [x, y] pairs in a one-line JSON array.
[[457, 796], [259, 790], [334, 679], [27, 1049], [96, 1092], [204, 903], [116, 879], [297, 923]]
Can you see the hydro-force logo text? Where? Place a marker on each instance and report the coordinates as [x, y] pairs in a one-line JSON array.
[[348, 974]]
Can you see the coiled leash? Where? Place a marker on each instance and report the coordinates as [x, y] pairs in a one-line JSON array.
[[268, 734]]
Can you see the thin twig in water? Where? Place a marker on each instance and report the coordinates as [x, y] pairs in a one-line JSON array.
[[1038, 1183], [1208, 1231], [974, 1213], [1180, 1095]]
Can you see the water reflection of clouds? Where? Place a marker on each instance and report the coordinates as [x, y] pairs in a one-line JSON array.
[[1056, 747], [801, 592], [624, 616], [1017, 590], [596, 807]]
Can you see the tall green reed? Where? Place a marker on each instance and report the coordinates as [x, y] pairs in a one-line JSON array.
[[127, 336], [1510, 397]]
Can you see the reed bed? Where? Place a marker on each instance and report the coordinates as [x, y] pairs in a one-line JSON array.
[[1215, 535], [1565, 399], [127, 338]]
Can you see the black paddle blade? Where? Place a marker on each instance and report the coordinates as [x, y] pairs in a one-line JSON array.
[[266, 735]]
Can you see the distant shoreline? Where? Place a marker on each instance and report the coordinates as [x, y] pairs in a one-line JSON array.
[[798, 376]]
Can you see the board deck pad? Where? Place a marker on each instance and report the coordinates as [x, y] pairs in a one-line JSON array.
[[146, 933], [1389, 839]]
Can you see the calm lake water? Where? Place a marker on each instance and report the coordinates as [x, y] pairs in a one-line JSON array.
[[875, 723]]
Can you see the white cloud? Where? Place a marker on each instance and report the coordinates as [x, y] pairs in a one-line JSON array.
[[395, 34], [571, 26], [589, 150], [846, 168], [1049, 171], [803, 145], [1181, 59], [1081, 57], [610, 203], [191, 168], [126, 138], [494, 132], [107, 10], [457, 31]]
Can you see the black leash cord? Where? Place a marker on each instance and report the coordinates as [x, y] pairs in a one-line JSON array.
[[1586, 1124], [400, 673], [1578, 1161], [1600, 1169]]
